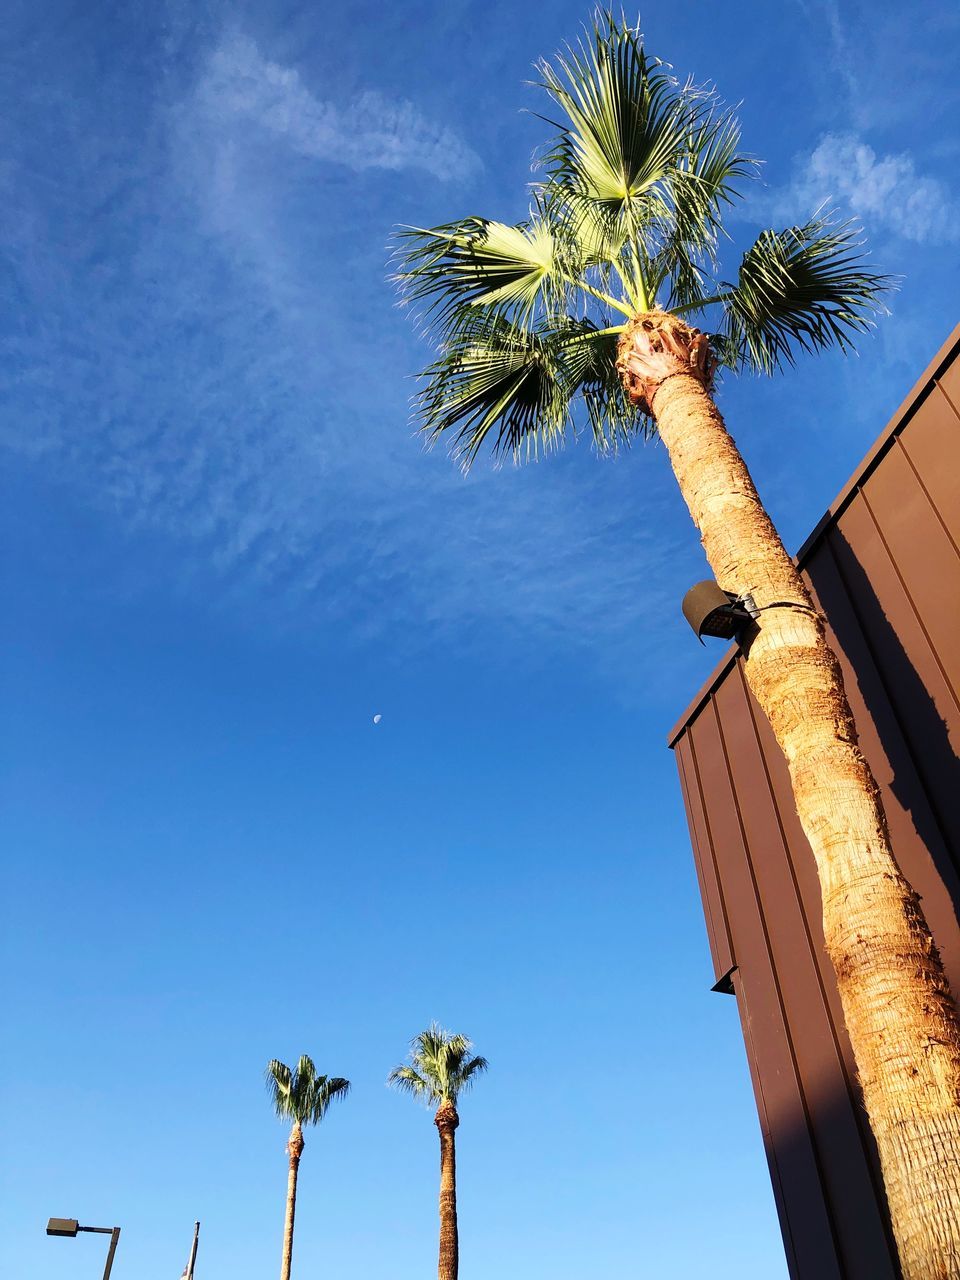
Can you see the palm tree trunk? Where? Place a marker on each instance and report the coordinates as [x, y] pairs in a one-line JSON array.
[[294, 1150], [446, 1121], [899, 1012]]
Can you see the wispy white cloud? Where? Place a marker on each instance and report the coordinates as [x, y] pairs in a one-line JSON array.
[[886, 191], [240, 85], [217, 365]]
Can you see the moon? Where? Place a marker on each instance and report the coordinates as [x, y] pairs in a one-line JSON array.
[[377, 718]]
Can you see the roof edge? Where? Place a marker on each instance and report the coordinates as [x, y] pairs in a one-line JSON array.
[[911, 403]]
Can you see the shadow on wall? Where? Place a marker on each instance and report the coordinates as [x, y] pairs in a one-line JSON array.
[[912, 731], [823, 1160], [833, 1212]]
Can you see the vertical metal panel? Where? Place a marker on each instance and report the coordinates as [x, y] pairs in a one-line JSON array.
[[780, 981], [931, 442], [718, 931], [767, 1130], [885, 569], [949, 382], [799, 965], [900, 730], [921, 555], [902, 703]]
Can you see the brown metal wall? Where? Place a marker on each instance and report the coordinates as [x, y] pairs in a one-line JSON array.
[[884, 566]]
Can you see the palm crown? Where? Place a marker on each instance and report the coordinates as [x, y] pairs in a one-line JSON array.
[[301, 1095], [441, 1067], [627, 218]]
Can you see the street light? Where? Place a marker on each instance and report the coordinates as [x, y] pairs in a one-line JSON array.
[[70, 1227]]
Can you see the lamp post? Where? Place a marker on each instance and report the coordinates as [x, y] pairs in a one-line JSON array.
[[188, 1271], [70, 1227]]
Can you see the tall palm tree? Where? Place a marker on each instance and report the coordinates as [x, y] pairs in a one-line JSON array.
[[441, 1067], [580, 316], [302, 1097]]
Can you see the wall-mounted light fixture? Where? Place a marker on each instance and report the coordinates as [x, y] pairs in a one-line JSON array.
[[711, 611]]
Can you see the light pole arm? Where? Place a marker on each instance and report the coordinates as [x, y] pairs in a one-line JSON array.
[[108, 1267], [114, 1234]]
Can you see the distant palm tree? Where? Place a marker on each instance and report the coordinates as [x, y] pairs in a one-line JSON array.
[[303, 1097], [578, 317], [441, 1068]]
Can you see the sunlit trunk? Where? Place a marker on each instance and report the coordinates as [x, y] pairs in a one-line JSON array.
[[294, 1150], [446, 1121], [899, 1012]]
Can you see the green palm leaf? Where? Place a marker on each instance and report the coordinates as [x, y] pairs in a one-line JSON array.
[[279, 1079], [302, 1095], [408, 1080], [628, 218], [804, 287], [441, 1066], [496, 377], [702, 184], [595, 233], [589, 358], [479, 262], [626, 120]]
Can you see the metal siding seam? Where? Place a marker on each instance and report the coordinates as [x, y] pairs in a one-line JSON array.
[[717, 878], [854, 1097], [779, 1196], [934, 507], [913, 750], [684, 746], [787, 1036], [910, 600]]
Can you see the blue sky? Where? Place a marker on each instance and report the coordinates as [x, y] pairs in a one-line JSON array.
[[225, 551]]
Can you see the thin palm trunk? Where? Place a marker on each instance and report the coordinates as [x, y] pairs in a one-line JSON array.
[[294, 1150], [446, 1121], [897, 1005]]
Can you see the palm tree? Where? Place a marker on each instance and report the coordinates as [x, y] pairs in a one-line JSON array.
[[441, 1067], [302, 1097], [580, 316]]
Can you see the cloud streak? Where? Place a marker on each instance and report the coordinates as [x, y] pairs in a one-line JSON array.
[[241, 86], [218, 366]]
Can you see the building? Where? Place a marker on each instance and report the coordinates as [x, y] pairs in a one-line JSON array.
[[884, 566]]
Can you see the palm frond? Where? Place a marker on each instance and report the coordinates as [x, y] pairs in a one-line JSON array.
[[702, 184], [279, 1081], [479, 262], [468, 1072], [494, 376], [595, 232], [590, 361], [305, 1070], [657, 160], [628, 218], [626, 122], [326, 1089], [408, 1080], [302, 1094], [802, 288], [442, 1066], [304, 1078], [706, 177]]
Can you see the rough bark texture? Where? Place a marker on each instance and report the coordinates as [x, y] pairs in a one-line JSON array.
[[900, 1015], [294, 1151], [446, 1121]]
